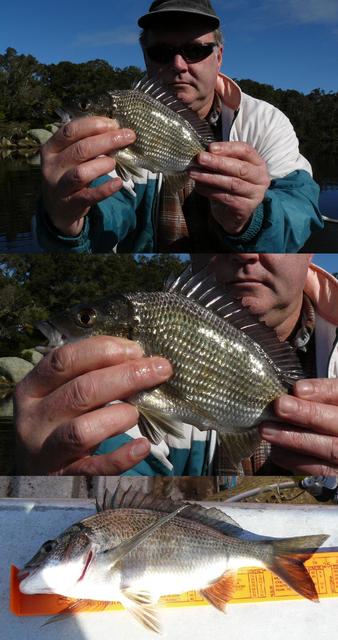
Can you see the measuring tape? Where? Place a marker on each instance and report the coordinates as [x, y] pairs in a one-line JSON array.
[[252, 585]]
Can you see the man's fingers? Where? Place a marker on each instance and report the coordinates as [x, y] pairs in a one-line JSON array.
[[239, 150], [302, 465], [318, 390], [317, 416], [90, 148], [228, 166], [96, 388], [78, 129], [83, 174], [324, 447], [86, 432], [74, 359], [110, 464]]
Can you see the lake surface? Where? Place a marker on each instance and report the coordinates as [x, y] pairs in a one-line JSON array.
[[20, 186]]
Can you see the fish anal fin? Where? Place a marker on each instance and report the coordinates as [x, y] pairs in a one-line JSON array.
[[219, 593], [143, 607], [236, 446], [288, 560]]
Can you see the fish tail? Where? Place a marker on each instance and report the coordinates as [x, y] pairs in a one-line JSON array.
[[288, 557]]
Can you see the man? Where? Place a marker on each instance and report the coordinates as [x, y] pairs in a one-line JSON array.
[[61, 412], [250, 191]]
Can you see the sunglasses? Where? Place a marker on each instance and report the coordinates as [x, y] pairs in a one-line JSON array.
[[191, 52]]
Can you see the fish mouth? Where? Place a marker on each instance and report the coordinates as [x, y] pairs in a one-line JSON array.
[[53, 335]]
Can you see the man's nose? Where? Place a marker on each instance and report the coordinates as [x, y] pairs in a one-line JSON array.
[[244, 258], [178, 63]]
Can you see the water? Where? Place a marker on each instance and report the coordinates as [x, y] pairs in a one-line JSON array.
[[20, 186]]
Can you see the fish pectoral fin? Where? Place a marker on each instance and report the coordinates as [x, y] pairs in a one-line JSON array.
[[125, 547], [154, 425], [142, 606], [236, 446], [77, 606], [288, 560], [219, 593]]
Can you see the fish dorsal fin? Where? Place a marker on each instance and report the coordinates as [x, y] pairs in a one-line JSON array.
[[219, 593], [162, 94], [203, 288], [212, 517]]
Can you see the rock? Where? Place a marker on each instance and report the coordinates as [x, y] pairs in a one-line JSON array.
[[5, 143], [52, 127], [27, 142], [32, 356], [39, 135], [14, 369]]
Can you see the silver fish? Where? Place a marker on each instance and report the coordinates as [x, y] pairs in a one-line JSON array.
[[169, 134], [228, 367], [144, 548]]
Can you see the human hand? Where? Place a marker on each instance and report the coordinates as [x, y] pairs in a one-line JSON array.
[[74, 156], [60, 413], [235, 178], [307, 442]]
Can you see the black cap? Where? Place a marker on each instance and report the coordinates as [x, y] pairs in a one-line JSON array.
[[161, 10]]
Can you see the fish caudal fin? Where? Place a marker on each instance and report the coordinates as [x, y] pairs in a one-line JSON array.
[[219, 593], [288, 560]]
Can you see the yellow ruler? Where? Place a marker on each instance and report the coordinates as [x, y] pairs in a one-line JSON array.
[[253, 585]]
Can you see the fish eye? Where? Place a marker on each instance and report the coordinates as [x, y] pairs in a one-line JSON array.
[[84, 104], [86, 317], [48, 546]]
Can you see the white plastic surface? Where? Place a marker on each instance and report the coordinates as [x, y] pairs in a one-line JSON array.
[[24, 525]]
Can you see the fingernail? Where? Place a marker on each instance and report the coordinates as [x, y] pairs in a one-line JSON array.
[[162, 367], [140, 449], [287, 405], [129, 133], [203, 158], [268, 431], [134, 350], [215, 148], [305, 387]]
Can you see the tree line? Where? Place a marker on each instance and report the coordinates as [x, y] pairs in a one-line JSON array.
[[30, 91], [37, 286]]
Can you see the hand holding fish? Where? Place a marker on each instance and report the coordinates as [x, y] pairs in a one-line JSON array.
[[78, 153], [235, 178], [308, 441], [60, 409]]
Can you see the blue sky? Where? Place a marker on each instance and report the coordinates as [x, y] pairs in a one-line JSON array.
[[291, 44], [328, 261]]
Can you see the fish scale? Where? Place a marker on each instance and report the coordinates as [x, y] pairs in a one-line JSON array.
[[223, 359]]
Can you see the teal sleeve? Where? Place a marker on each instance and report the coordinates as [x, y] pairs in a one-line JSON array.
[[123, 220], [186, 462], [284, 220]]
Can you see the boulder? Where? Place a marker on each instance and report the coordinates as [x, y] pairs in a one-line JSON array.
[[12, 370], [39, 135], [32, 356]]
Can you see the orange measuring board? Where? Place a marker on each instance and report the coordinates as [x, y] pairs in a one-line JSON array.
[[252, 585]]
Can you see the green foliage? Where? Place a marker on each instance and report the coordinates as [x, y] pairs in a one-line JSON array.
[[34, 287]]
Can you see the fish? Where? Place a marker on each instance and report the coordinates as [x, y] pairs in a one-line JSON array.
[[169, 134], [139, 547], [228, 366]]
